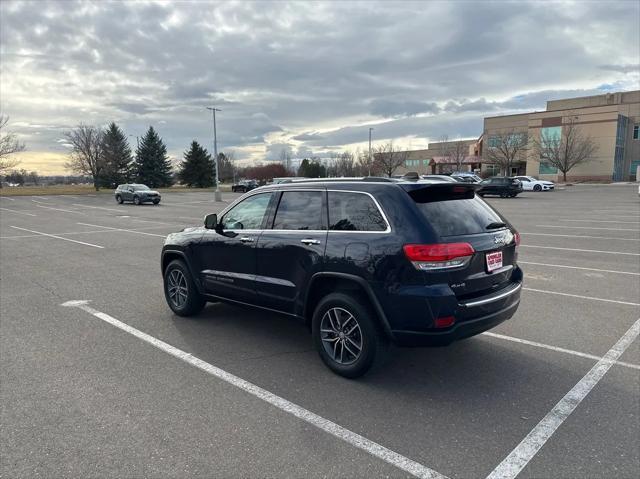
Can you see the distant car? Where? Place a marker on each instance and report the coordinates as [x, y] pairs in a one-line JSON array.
[[529, 183], [466, 177], [446, 178], [244, 185], [503, 186], [137, 194]]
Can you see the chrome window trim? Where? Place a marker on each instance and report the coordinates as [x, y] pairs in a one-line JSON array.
[[375, 202], [279, 190]]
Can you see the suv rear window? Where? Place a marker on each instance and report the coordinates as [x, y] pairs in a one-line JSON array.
[[354, 212], [299, 210], [454, 214]]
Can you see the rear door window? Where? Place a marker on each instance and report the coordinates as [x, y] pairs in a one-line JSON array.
[[354, 212], [452, 214], [299, 210]]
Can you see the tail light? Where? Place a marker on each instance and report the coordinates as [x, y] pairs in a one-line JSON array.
[[516, 236], [429, 257]]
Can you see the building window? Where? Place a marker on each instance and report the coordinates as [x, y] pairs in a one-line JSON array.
[[425, 162], [547, 169], [492, 170], [636, 132]]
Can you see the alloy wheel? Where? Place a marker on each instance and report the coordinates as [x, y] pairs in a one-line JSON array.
[[341, 336], [177, 288]]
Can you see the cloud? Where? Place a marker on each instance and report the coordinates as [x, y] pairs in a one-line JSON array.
[[312, 76]]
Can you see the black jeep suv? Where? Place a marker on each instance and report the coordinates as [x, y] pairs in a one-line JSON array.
[[364, 262]]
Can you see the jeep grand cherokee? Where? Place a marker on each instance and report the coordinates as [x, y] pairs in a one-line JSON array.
[[364, 262]]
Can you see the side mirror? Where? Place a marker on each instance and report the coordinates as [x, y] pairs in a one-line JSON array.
[[211, 221]]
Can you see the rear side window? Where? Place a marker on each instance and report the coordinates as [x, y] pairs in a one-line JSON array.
[[354, 212], [455, 214], [299, 210]]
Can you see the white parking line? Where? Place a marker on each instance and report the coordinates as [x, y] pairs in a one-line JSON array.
[[577, 249], [98, 207], [60, 209], [17, 212], [557, 349], [58, 237], [6, 198], [601, 221], [579, 267], [73, 233], [579, 236], [581, 297], [414, 468], [587, 228], [517, 460], [122, 229]]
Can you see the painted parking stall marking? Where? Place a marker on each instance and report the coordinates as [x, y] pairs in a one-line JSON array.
[[17, 212], [580, 268], [59, 237], [414, 468], [517, 460]]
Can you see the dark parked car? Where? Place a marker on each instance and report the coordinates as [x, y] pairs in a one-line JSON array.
[[244, 185], [503, 186], [137, 194], [363, 262]]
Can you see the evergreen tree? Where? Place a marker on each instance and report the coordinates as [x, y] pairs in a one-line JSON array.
[[116, 158], [152, 165], [197, 168]]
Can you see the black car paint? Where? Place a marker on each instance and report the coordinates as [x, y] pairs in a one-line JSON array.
[[500, 185], [276, 271]]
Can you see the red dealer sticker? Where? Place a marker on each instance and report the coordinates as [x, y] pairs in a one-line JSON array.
[[494, 260]]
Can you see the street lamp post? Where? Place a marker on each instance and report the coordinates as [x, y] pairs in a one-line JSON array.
[[369, 162], [218, 194]]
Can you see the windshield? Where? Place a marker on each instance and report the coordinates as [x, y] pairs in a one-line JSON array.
[[140, 188]]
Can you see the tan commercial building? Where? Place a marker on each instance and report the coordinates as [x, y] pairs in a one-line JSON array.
[[436, 159], [611, 120]]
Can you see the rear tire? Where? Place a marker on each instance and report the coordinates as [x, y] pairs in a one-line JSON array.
[[180, 290], [136, 200], [119, 199], [504, 195], [347, 336]]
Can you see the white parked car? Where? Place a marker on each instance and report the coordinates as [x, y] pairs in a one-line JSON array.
[[529, 183]]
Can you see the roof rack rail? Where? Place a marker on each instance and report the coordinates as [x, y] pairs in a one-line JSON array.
[[337, 180]]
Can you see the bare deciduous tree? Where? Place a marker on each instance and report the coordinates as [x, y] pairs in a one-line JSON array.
[[85, 153], [9, 144], [457, 151], [285, 159], [388, 158], [365, 165], [566, 150], [506, 148], [345, 164]]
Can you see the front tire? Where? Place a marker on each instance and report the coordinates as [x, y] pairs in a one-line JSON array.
[[504, 195], [346, 335], [155, 202], [180, 290], [537, 188]]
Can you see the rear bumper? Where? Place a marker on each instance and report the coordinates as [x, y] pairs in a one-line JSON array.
[[472, 317]]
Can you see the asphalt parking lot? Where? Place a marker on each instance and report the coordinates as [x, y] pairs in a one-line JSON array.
[[553, 392]]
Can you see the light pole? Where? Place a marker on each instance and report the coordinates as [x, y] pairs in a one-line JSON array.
[[369, 162], [137, 140], [218, 194]]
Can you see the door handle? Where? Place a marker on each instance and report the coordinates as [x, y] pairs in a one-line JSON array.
[[246, 239], [309, 241]]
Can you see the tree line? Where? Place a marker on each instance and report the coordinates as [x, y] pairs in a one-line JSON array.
[[106, 157]]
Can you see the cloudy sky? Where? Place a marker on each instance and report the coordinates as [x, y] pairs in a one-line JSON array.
[[307, 77]]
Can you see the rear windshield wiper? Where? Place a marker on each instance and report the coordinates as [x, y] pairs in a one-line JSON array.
[[495, 225]]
